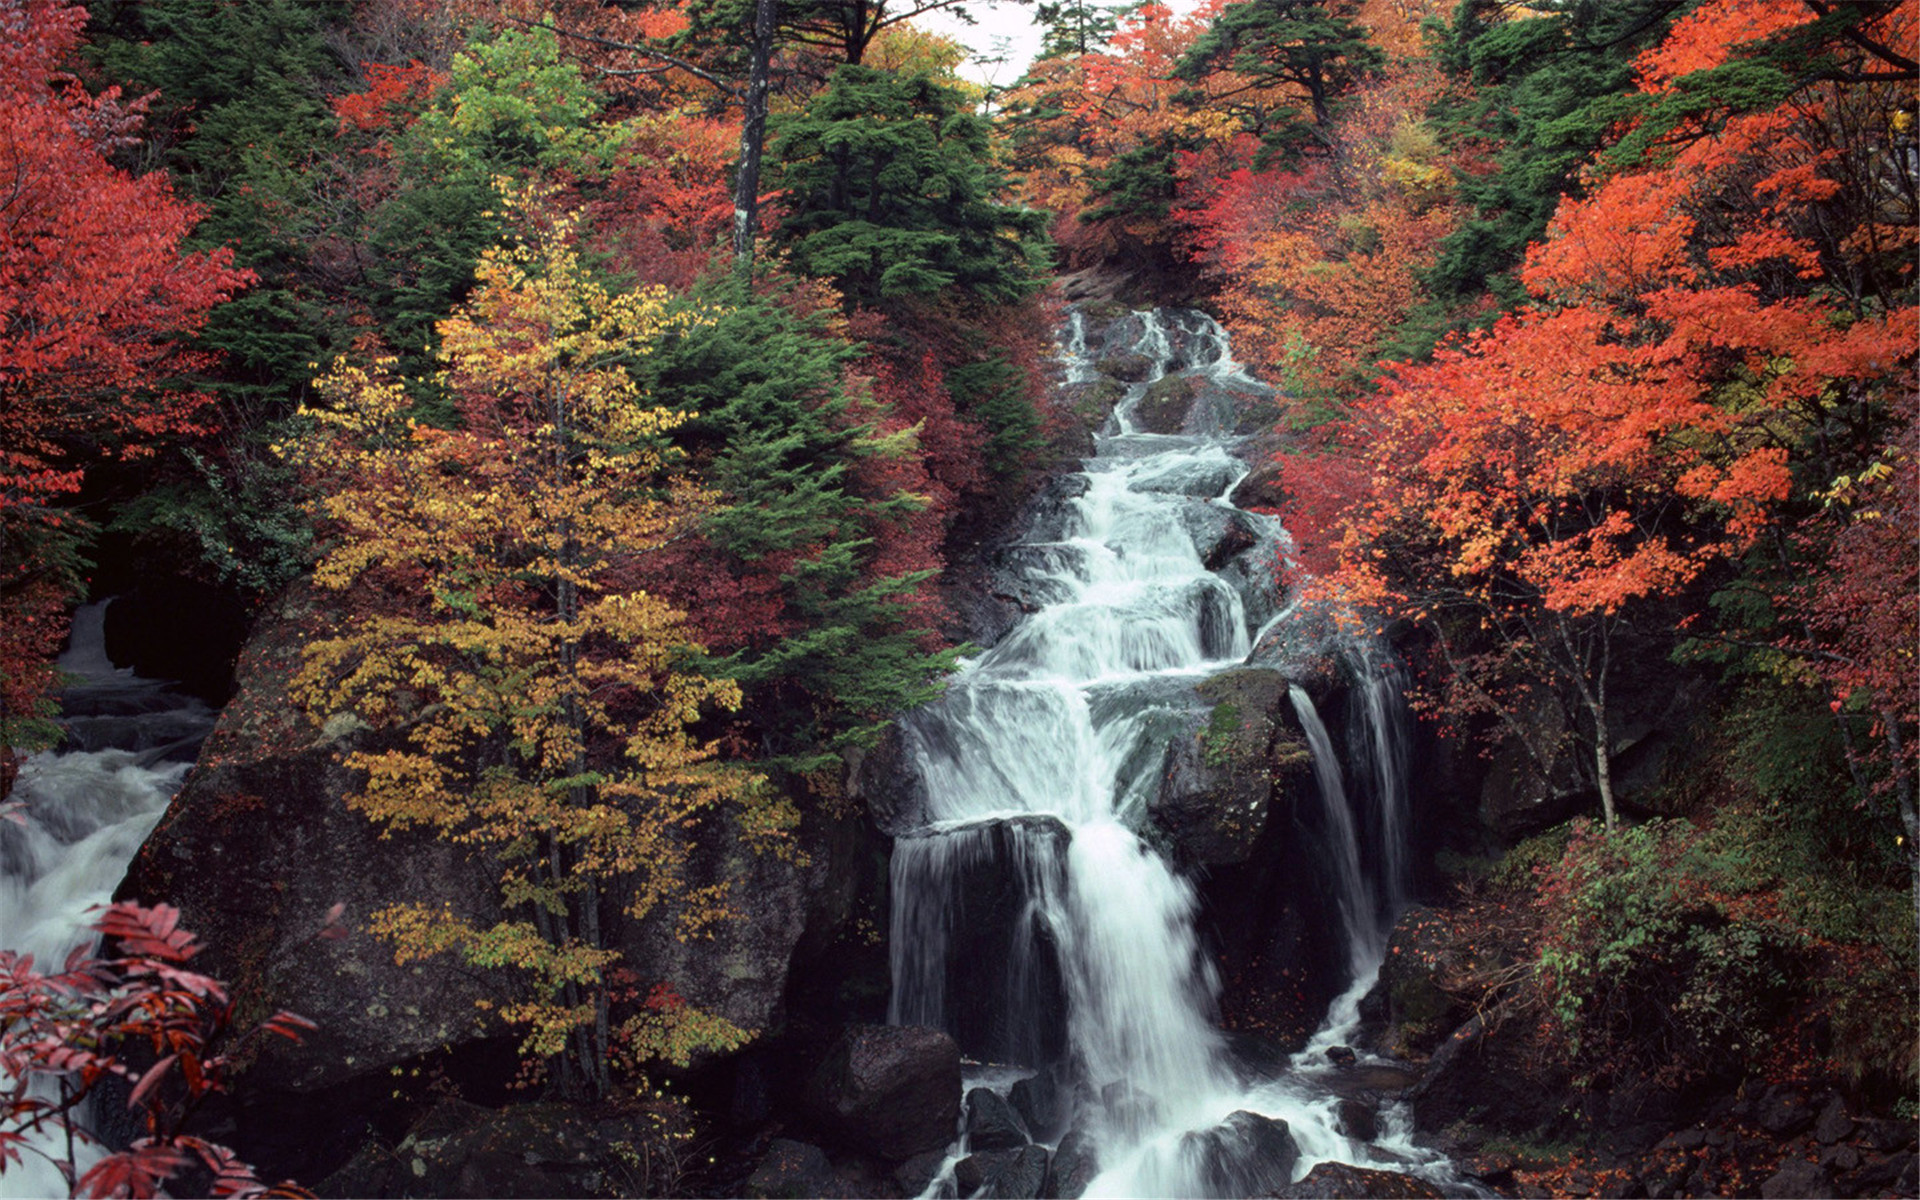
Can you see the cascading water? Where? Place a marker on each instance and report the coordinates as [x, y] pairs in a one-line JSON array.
[[86, 808], [1038, 764]]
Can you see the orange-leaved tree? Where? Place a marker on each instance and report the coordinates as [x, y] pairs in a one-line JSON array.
[[1699, 342], [528, 698]]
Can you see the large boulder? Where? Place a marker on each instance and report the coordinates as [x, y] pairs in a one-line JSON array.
[[526, 1150], [1245, 1155], [982, 959], [1217, 791], [260, 845], [887, 1090]]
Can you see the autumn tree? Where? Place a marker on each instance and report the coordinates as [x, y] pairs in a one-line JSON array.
[[1684, 368], [530, 699], [99, 301]]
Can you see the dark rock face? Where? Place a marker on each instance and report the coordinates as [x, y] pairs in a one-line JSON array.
[[1799, 1180], [790, 1171], [1338, 1181], [1489, 1075], [1216, 794], [888, 1090], [258, 846], [1002, 995], [1420, 1012], [1043, 1104], [1358, 1120], [1245, 1155], [169, 627], [1022, 1178]]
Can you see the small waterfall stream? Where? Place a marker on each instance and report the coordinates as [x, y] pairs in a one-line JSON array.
[[1038, 764], [88, 805]]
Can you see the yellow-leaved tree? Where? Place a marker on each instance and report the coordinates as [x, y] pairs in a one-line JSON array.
[[530, 699]]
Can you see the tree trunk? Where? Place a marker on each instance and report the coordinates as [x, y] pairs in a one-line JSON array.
[[753, 136]]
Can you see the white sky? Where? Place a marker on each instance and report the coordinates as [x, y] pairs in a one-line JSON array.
[[1002, 29]]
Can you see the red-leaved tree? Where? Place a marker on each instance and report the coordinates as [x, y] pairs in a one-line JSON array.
[[136, 1013], [97, 304]]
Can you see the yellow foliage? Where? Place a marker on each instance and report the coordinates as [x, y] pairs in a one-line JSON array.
[[532, 695]]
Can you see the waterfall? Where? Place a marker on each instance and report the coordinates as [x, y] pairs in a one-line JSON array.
[[1030, 919], [1354, 887], [87, 807]]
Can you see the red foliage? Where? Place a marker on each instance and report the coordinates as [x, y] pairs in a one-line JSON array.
[[139, 1014], [393, 99], [669, 202], [97, 303]]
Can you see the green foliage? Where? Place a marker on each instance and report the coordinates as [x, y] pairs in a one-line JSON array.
[[1547, 84], [242, 516], [779, 434], [1679, 951], [891, 186], [240, 114], [1074, 27], [992, 392], [1656, 957], [1293, 42], [512, 110], [1217, 739]]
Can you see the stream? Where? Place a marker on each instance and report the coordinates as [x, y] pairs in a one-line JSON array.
[[88, 804]]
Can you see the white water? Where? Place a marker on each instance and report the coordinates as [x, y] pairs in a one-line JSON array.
[[88, 806], [1045, 751]]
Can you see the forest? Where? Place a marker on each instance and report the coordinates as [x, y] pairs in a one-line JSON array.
[[622, 471]]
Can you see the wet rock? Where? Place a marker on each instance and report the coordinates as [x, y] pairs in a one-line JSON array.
[[1342, 1056], [1338, 1181], [1073, 1166], [1163, 409], [973, 1171], [888, 1090], [1125, 366], [1042, 1104], [886, 781], [1489, 1074], [1245, 1155], [1022, 1177], [1798, 1180], [974, 889], [1358, 1120], [1216, 795], [1885, 1135], [790, 1171], [992, 1124], [1203, 478], [1420, 1012], [1219, 533]]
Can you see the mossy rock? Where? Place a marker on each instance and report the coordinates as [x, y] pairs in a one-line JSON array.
[[1164, 408], [1126, 367]]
